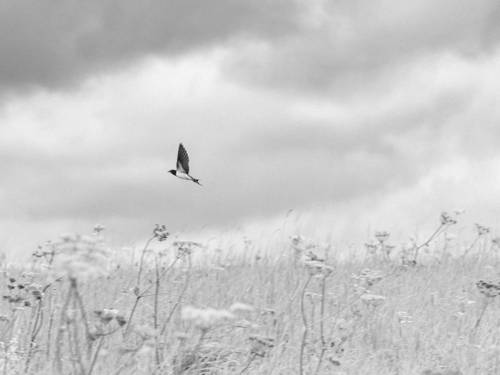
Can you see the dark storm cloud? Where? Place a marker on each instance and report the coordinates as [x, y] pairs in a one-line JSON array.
[[51, 42], [356, 45]]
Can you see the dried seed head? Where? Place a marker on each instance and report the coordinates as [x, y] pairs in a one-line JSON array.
[[160, 232], [447, 219], [488, 289], [482, 230], [121, 320]]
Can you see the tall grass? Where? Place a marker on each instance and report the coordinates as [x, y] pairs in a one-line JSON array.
[[73, 310]]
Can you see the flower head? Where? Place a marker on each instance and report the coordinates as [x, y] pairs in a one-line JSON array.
[[372, 299], [447, 219], [382, 236], [488, 289], [206, 318], [160, 232], [240, 307], [482, 230], [80, 257]]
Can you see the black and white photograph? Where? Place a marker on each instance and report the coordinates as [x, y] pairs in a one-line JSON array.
[[247, 187]]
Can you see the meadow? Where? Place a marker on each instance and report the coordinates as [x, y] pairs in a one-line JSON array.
[[429, 308]]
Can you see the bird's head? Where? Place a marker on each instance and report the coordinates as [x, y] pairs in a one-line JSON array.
[[173, 171]]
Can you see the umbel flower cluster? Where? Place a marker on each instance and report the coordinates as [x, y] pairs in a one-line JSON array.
[[490, 290], [80, 257]]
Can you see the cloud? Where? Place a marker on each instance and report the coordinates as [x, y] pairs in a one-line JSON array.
[[352, 46], [257, 153], [56, 43]]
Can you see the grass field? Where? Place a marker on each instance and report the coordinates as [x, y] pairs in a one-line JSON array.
[[178, 309]]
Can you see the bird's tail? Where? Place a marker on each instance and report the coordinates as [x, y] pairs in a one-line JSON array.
[[195, 180]]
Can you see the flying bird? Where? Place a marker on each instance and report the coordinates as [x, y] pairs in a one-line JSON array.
[[182, 170]]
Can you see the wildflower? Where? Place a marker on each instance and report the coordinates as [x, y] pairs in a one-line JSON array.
[[372, 299], [98, 228], [343, 325], [185, 247], [388, 249], [120, 319], [261, 345], [145, 350], [243, 323], [482, 230], [316, 267], [106, 315], [301, 245], [404, 317], [369, 277], [267, 311], [181, 336], [296, 240], [449, 236], [333, 361], [37, 294], [382, 236], [447, 219], [239, 307], [160, 232], [80, 257], [371, 248], [206, 318], [488, 289], [313, 257], [146, 332], [313, 295]]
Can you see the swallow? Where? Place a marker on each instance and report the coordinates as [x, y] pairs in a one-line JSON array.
[[182, 170]]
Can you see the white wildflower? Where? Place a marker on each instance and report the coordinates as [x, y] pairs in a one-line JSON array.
[[382, 236], [80, 257], [372, 299], [145, 331], [240, 307], [404, 317], [206, 318]]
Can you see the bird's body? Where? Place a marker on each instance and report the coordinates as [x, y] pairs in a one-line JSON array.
[[182, 170]]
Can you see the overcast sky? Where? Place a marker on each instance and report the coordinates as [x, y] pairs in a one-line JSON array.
[[363, 114]]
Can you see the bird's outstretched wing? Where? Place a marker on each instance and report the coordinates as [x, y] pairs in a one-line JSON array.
[[182, 159]]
